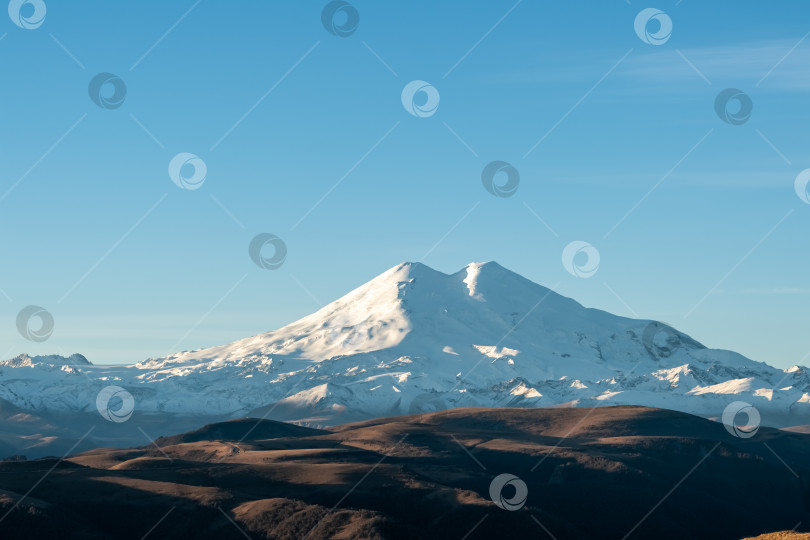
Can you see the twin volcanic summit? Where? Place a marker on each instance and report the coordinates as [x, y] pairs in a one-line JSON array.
[[410, 340]]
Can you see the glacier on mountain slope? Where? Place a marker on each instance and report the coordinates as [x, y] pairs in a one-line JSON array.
[[414, 339]]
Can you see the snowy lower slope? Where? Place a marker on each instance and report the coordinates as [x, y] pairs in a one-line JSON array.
[[414, 339]]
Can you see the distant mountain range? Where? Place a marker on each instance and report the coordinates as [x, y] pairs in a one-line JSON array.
[[410, 340]]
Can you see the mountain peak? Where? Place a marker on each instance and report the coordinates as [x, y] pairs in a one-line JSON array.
[[479, 275], [489, 266], [473, 277], [412, 336], [54, 360], [406, 271]]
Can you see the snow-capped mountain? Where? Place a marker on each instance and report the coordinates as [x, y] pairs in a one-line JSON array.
[[414, 339]]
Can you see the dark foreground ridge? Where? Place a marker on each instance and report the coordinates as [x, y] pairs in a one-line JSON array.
[[590, 473]]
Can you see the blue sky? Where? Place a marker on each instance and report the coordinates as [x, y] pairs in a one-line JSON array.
[[282, 113]]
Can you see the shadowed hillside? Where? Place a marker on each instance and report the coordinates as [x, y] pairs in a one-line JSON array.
[[589, 473]]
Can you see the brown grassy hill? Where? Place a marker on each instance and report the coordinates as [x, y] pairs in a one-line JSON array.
[[590, 473]]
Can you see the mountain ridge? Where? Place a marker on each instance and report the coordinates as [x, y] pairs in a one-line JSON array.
[[414, 339]]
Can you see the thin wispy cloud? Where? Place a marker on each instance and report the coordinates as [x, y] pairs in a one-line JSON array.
[[681, 69], [723, 65]]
